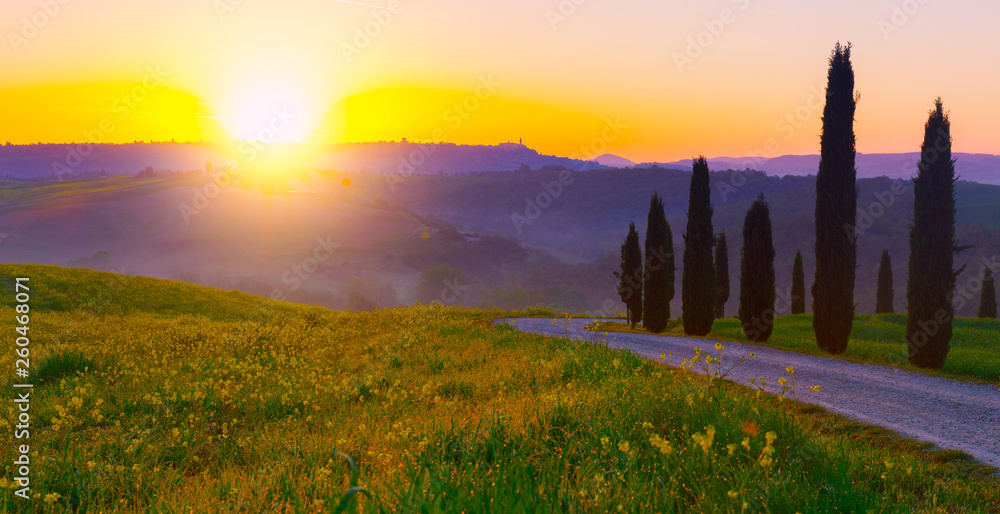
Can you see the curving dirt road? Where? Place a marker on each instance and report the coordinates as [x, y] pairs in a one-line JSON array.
[[949, 413]]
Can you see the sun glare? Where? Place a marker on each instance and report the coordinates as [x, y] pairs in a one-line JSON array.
[[275, 109]]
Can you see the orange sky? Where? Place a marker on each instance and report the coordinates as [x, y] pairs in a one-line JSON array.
[[571, 77]]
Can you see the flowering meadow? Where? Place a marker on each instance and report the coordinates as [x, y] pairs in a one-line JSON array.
[[153, 395]]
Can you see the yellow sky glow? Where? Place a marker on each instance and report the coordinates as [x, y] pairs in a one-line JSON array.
[[485, 72]]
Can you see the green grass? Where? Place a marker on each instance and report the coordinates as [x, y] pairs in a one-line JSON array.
[[59, 365], [208, 401], [878, 339], [18, 192]]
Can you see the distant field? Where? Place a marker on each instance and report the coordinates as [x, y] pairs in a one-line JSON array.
[[16, 193], [163, 396], [878, 339]]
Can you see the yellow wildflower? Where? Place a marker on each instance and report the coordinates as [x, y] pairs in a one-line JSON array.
[[663, 446], [705, 440]]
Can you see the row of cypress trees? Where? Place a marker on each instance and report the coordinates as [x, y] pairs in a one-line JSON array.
[[648, 288], [885, 291], [932, 236]]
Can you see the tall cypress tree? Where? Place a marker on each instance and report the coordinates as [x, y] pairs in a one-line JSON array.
[[798, 286], [757, 273], [836, 203], [932, 246], [988, 300], [721, 275], [885, 292], [630, 276], [698, 280], [658, 269]]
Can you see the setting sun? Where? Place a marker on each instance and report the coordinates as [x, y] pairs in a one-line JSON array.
[[269, 109]]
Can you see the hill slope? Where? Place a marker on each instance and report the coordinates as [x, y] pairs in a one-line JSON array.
[[162, 397]]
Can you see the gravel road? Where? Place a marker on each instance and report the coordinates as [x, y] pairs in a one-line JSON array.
[[949, 413]]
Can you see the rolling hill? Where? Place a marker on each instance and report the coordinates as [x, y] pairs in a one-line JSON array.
[[515, 237], [155, 395]]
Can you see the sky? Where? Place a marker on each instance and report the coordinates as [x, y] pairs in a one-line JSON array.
[[647, 80]]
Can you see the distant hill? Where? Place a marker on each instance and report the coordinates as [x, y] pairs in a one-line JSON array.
[[408, 158], [589, 217], [515, 235], [48, 161], [59, 160], [982, 168], [613, 161]]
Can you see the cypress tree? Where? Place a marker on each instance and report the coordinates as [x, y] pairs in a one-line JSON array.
[[757, 273], [721, 275], [885, 293], [932, 246], [798, 286], [698, 297], [988, 300], [658, 269], [630, 276], [836, 205]]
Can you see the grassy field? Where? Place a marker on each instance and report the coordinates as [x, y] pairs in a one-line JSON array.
[[162, 396], [878, 339], [18, 195]]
